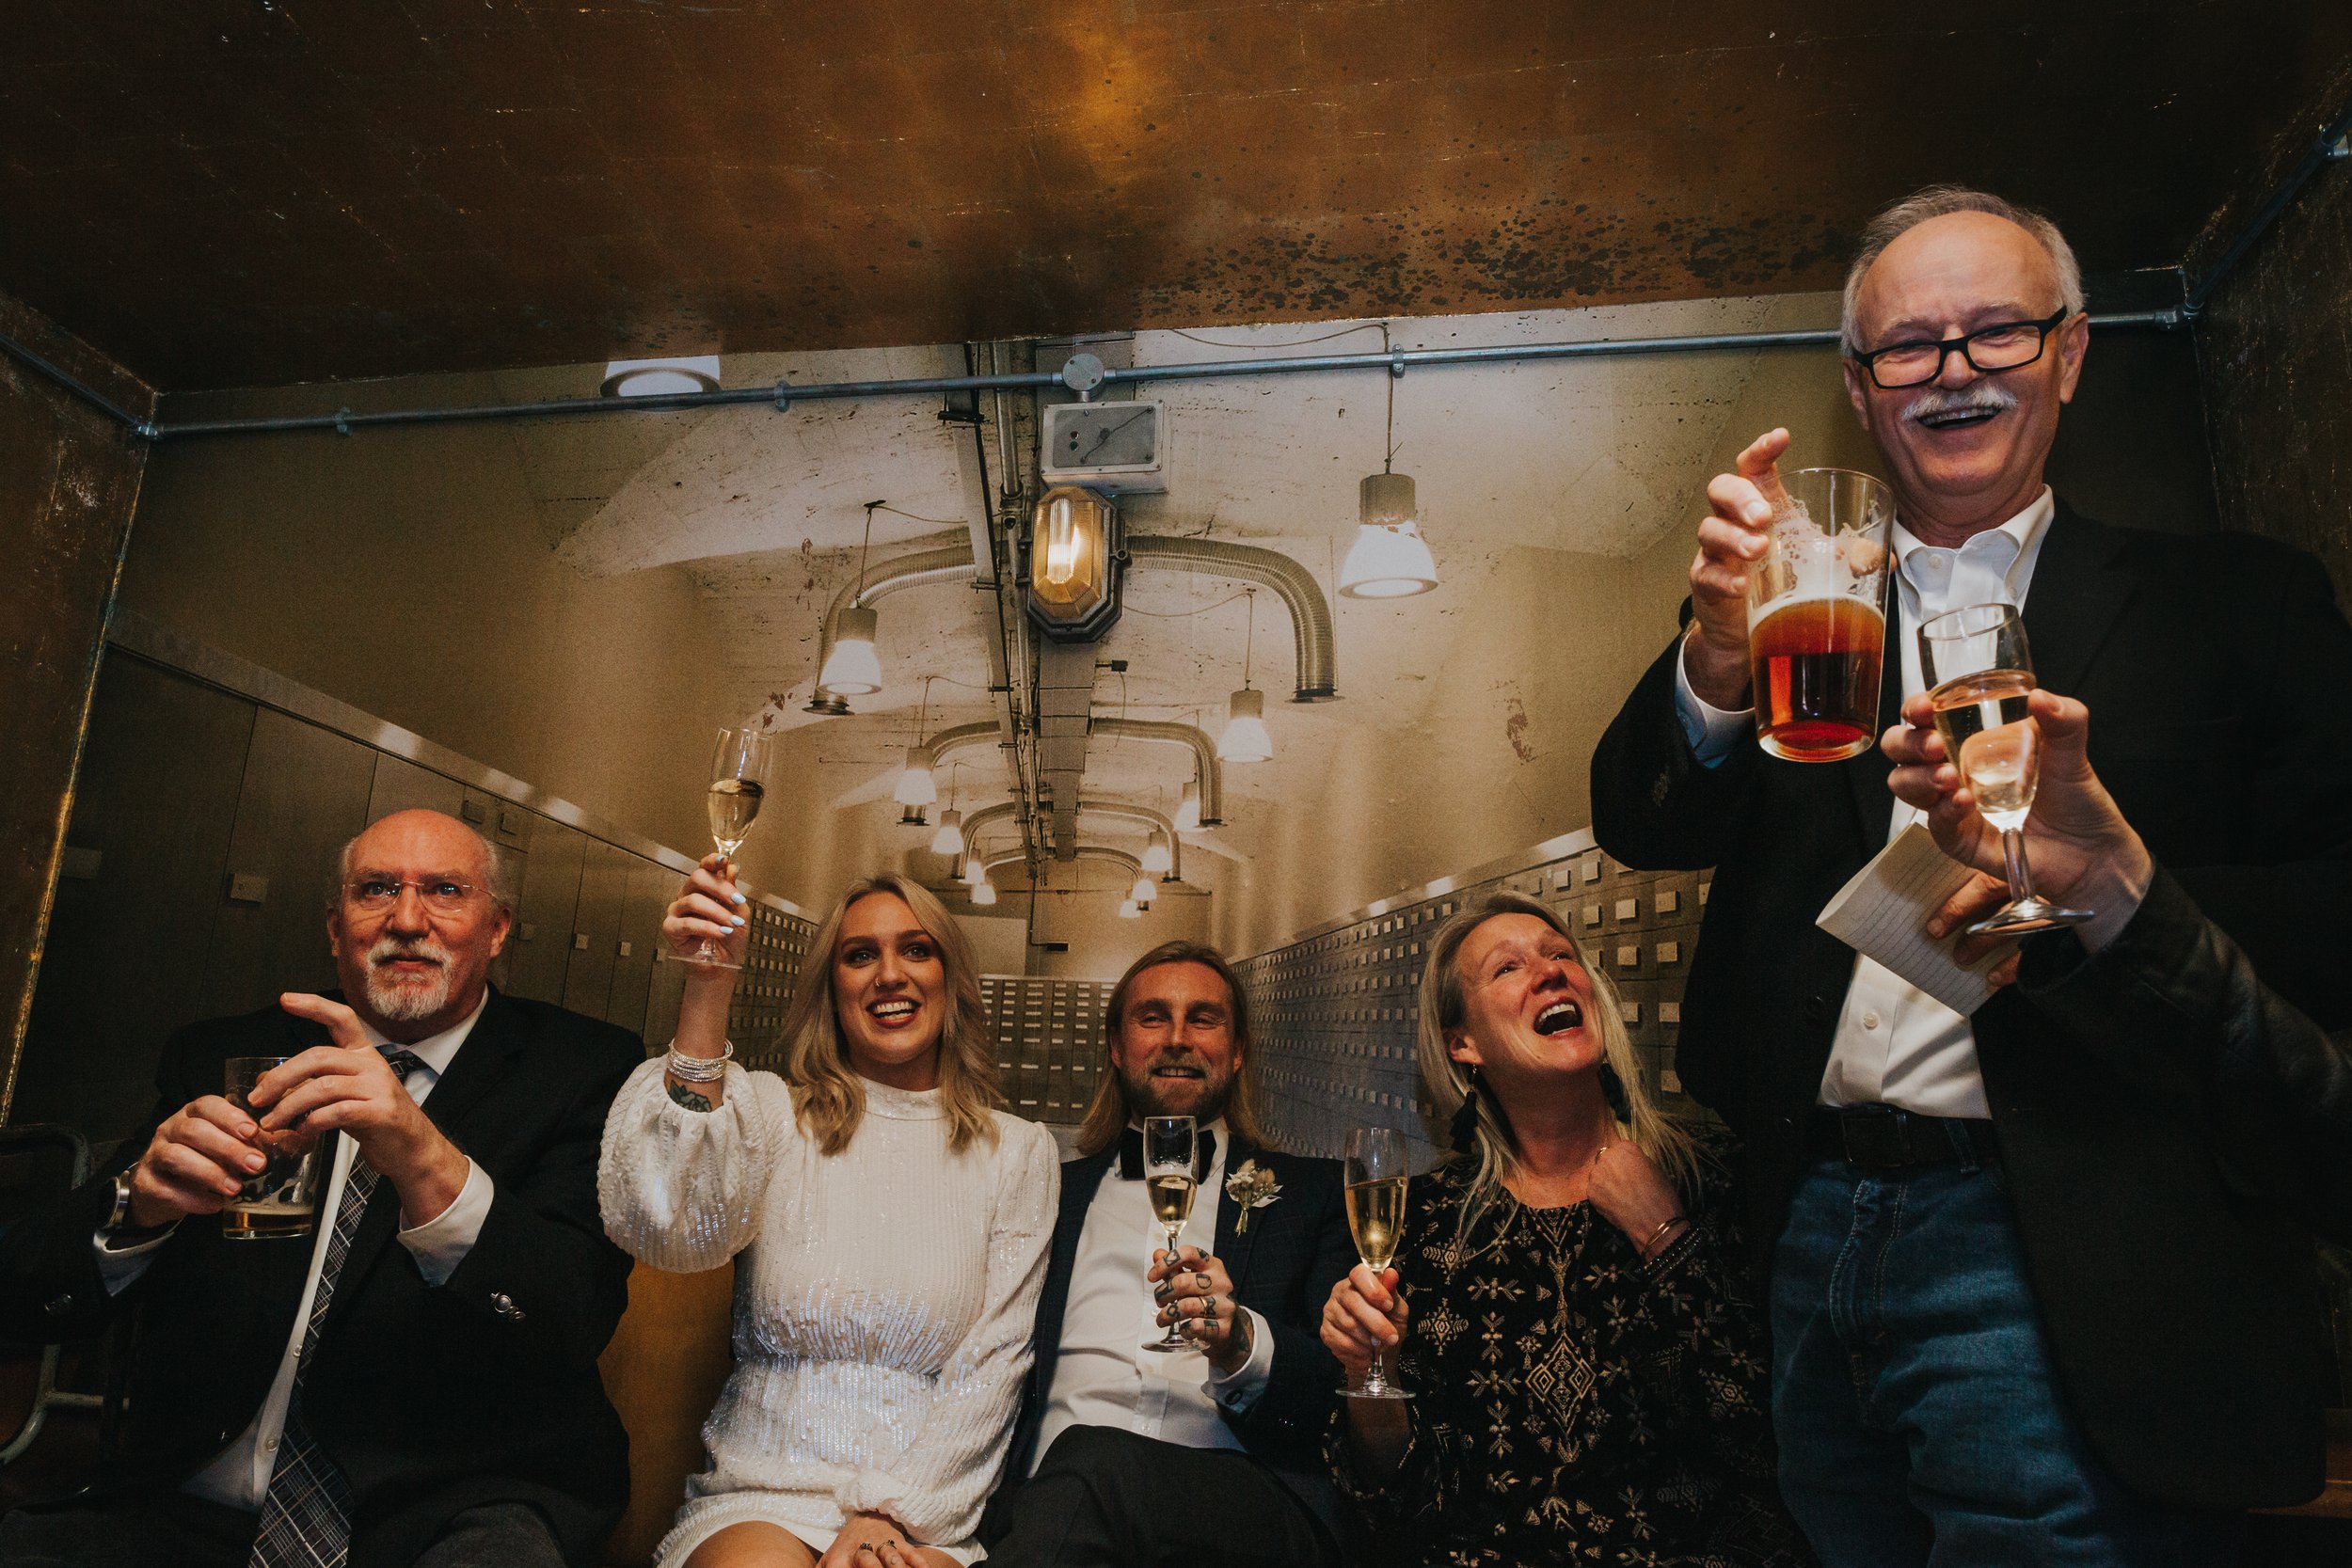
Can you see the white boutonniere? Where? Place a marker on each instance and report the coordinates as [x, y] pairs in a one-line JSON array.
[[1251, 1188]]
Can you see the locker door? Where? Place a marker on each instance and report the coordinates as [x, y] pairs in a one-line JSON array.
[[147, 852], [540, 947], [402, 785], [305, 792], [597, 929], [646, 892]]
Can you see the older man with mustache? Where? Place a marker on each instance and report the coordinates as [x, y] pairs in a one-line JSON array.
[[414, 1380], [2024, 1309]]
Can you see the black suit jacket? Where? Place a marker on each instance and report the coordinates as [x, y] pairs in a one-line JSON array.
[[2176, 1287], [1284, 1266], [432, 1398]]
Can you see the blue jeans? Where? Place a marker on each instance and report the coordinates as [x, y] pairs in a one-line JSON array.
[[1918, 1419]]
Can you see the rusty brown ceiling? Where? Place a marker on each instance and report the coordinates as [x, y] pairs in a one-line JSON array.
[[239, 192]]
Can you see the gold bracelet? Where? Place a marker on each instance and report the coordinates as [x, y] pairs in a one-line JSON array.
[[1663, 1225]]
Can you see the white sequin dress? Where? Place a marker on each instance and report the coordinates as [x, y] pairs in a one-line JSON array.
[[884, 1298]]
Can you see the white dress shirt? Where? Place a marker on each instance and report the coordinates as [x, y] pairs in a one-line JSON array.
[[239, 1475], [1895, 1044], [1103, 1376]]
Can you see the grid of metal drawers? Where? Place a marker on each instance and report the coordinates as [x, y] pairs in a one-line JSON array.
[[771, 968], [1050, 1055], [1337, 1013]]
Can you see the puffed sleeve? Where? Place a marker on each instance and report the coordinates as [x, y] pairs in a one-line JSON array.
[[945, 1474], [681, 1189]]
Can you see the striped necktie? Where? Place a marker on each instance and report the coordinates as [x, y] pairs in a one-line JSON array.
[[306, 1513]]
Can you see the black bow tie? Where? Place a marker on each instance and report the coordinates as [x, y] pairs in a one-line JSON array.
[[1130, 1154]]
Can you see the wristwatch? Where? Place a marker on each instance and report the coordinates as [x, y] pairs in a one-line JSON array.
[[120, 1225]]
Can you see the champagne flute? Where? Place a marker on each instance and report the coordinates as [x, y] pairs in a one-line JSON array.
[[1979, 671], [1169, 1144], [739, 772], [1376, 1217]]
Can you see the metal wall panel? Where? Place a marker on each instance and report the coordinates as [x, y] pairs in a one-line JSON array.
[[145, 868], [597, 929], [402, 785], [647, 893], [305, 792], [540, 949]]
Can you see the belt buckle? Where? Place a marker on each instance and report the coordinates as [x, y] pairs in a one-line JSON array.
[[1874, 1138]]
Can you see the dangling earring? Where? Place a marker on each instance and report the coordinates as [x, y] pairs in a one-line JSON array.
[[1463, 1133], [1612, 1090]]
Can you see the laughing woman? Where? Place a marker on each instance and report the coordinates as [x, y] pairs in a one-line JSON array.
[[888, 1226], [1587, 1373]]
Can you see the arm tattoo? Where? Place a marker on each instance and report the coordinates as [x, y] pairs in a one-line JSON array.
[[690, 1097]]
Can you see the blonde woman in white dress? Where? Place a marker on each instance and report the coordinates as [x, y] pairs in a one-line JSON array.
[[888, 1224]]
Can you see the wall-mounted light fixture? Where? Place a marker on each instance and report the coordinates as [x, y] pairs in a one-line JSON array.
[[1074, 564]]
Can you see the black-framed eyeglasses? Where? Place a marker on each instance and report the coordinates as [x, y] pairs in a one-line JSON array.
[[2002, 346], [375, 895]]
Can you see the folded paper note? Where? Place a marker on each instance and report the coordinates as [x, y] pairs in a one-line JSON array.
[[1883, 914]]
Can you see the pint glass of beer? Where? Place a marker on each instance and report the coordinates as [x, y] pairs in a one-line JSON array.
[[1816, 615], [282, 1197]]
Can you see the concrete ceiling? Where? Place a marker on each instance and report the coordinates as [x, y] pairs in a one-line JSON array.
[[225, 193]]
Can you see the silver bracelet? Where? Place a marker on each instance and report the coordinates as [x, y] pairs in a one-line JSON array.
[[699, 1070]]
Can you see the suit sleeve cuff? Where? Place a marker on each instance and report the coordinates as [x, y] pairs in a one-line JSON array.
[[1712, 731], [120, 1265], [441, 1242], [1238, 1389]]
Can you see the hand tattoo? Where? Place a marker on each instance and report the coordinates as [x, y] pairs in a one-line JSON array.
[[691, 1098]]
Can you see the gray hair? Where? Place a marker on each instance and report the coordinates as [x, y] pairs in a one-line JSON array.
[[495, 881], [1937, 201]]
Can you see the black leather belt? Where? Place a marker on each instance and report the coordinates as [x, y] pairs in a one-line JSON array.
[[1883, 1137]]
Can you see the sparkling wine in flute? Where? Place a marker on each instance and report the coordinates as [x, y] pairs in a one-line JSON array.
[[1816, 666], [1987, 730], [1171, 1200], [734, 806], [1980, 679], [1376, 1217]]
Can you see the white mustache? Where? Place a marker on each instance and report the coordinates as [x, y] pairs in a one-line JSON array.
[[1985, 397], [388, 949]]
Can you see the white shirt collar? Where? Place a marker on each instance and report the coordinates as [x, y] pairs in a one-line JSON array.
[[436, 1051], [1994, 564]]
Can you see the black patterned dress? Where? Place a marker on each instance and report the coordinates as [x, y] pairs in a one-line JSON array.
[[1573, 1405]]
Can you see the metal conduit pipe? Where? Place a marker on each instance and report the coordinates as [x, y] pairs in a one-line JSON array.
[[782, 395], [987, 817], [1206, 768], [920, 570], [1133, 866], [959, 738], [1311, 612], [1149, 817]]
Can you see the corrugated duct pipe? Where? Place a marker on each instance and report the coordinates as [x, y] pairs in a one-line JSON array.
[[1149, 818], [1207, 769], [1311, 612], [1133, 866], [920, 570], [958, 738]]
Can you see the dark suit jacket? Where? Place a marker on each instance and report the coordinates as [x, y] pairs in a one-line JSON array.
[[432, 1398], [1284, 1266], [2176, 1287]]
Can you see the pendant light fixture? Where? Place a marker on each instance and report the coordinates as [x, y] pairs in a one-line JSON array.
[[1245, 738], [1128, 910], [1158, 857], [1143, 890], [1389, 559], [916, 788], [973, 872], [983, 893], [853, 668], [949, 839], [1188, 816]]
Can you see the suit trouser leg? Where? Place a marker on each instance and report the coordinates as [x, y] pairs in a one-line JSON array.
[[138, 1532], [1106, 1498], [495, 1535]]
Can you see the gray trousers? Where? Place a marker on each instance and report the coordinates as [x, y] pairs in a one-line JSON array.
[[173, 1530]]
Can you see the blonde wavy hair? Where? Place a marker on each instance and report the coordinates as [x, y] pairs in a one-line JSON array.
[[1444, 1007], [828, 1097]]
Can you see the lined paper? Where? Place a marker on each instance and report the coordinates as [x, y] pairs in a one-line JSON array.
[[1883, 914]]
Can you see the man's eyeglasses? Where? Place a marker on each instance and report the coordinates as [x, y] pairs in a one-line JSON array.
[[375, 895], [2002, 346]]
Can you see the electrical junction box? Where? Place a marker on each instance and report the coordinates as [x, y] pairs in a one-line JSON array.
[[1112, 447]]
